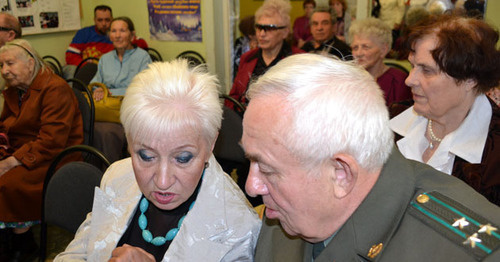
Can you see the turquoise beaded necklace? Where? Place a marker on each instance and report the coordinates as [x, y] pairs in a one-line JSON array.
[[147, 235], [143, 223]]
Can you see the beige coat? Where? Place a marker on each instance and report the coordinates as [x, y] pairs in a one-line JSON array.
[[220, 227]]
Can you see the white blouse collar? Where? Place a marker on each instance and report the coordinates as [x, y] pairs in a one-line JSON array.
[[466, 142]]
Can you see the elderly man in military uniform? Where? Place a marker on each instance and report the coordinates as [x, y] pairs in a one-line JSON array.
[[336, 189], [322, 23]]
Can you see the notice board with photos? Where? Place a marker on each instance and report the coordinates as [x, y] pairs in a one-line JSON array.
[[44, 16]]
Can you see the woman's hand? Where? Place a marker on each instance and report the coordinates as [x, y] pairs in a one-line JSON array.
[[130, 253], [98, 94], [7, 164]]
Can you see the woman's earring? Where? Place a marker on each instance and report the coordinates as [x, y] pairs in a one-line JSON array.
[[206, 164]]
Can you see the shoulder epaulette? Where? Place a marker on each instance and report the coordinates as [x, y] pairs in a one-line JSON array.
[[461, 225]]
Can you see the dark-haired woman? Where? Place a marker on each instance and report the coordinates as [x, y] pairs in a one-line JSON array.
[[453, 126]]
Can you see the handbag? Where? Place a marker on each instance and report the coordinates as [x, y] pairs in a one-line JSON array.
[[107, 109]]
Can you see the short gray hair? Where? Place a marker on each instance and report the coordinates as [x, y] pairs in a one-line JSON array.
[[372, 27], [171, 95], [281, 8], [335, 107], [326, 9]]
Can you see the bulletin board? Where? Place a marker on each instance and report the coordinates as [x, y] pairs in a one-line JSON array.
[[44, 16]]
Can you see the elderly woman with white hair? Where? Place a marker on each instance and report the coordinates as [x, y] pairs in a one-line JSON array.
[[170, 201], [39, 119], [371, 40], [272, 26]]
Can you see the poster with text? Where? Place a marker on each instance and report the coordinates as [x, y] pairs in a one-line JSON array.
[[44, 16], [175, 20]]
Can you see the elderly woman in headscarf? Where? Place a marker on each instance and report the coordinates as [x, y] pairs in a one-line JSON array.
[[40, 118], [453, 126], [170, 201]]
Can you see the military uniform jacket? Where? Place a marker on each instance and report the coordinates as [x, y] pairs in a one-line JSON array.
[[413, 213]]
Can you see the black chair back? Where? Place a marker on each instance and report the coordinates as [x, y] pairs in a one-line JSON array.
[[86, 108], [397, 66], [193, 57], [154, 54], [86, 70], [54, 64], [68, 193]]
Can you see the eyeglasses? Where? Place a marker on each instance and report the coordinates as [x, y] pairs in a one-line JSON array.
[[268, 27], [5, 29]]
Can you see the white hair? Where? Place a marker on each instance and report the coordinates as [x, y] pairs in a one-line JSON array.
[[372, 27], [168, 96], [335, 107], [281, 8], [25, 51]]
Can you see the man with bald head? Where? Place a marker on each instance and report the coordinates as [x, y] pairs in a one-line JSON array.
[[10, 29]]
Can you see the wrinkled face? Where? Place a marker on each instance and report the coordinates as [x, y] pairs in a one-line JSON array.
[[367, 51], [322, 28], [435, 93], [300, 198], [168, 168], [308, 9], [120, 35], [337, 6], [16, 70], [102, 20], [273, 38]]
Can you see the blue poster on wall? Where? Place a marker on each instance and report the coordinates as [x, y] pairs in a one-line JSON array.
[[175, 20]]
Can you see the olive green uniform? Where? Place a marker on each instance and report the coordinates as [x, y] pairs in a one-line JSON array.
[[413, 213]]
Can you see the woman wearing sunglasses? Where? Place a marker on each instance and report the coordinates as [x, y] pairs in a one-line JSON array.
[[272, 28]]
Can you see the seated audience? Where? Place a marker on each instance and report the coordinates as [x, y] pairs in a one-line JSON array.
[[371, 40], [272, 27], [301, 29], [40, 118], [335, 188], [343, 18], [245, 42], [324, 39], [453, 126], [93, 41], [170, 201], [116, 69]]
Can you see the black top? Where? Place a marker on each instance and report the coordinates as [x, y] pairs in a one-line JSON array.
[[261, 67], [333, 46], [159, 223]]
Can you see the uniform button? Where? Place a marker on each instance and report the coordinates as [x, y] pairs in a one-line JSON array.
[[422, 199]]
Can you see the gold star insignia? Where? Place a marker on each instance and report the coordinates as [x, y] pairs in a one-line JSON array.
[[487, 229], [472, 240], [461, 223]]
